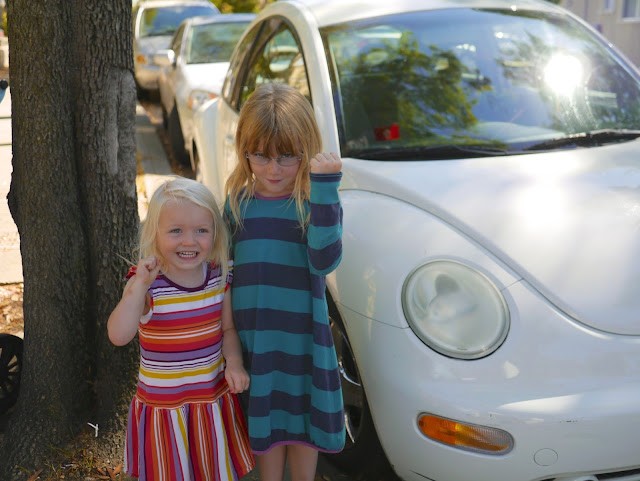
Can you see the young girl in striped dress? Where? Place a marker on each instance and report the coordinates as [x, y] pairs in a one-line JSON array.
[[286, 220], [185, 422]]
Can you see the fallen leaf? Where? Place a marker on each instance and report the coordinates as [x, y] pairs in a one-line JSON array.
[[35, 475]]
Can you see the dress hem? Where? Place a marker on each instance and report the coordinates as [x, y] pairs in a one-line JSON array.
[[310, 445]]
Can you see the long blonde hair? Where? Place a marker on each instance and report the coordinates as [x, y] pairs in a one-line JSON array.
[[275, 117], [181, 189]]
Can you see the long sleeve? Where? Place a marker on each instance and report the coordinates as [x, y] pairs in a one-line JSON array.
[[324, 234]]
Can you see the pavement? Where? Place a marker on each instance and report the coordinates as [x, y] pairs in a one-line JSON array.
[[10, 260]]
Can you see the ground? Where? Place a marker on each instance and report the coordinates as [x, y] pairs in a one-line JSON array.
[[85, 458], [11, 319]]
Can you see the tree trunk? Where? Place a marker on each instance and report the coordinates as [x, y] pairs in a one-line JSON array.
[[73, 200]]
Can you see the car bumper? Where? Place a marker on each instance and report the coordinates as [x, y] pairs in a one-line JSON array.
[[569, 414], [147, 76]]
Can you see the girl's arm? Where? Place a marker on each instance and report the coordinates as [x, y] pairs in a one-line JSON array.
[[324, 234], [234, 372], [122, 325]]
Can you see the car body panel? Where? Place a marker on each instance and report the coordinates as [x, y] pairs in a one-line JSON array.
[[545, 218]]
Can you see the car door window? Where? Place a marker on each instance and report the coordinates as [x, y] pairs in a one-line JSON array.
[[279, 60], [233, 77]]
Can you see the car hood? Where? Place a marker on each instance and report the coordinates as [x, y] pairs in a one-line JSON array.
[[152, 44], [567, 222], [205, 76]]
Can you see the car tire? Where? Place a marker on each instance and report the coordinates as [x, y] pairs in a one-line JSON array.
[[362, 456], [10, 370], [176, 139]]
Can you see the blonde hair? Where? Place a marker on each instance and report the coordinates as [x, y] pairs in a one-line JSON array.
[[180, 189], [276, 117]]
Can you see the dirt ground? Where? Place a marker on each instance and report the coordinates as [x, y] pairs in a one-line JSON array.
[[11, 317]]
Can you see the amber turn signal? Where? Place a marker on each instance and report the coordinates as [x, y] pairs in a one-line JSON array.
[[471, 437]]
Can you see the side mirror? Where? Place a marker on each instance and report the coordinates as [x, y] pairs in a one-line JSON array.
[[164, 58]]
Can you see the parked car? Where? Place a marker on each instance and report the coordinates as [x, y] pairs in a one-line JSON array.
[[486, 309], [154, 23], [193, 69]]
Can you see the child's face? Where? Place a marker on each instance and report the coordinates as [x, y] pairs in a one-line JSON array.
[[273, 179], [185, 237]]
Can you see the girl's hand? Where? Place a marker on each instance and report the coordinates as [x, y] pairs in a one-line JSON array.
[[147, 270], [326, 163], [237, 378]]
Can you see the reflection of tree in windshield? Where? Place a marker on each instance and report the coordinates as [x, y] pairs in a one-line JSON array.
[[421, 92]]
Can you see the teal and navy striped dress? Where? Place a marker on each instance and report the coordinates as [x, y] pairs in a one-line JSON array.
[[280, 312]]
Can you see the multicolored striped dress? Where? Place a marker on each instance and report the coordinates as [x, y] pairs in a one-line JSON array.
[[281, 315], [184, 424]]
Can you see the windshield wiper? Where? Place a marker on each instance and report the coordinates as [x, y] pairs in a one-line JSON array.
[[434, 152], [587, 139]]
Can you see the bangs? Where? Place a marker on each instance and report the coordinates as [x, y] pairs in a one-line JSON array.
[[275, 134]]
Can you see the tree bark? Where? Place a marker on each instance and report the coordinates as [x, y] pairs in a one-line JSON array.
[[73, 199]]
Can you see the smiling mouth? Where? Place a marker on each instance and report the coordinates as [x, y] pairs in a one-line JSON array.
[[187, 254]]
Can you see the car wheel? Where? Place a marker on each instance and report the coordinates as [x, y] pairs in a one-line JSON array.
[[362, 455], [175, 137], [10, 370]]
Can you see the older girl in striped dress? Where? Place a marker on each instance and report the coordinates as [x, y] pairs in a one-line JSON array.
[[185, 422], [286, 220]]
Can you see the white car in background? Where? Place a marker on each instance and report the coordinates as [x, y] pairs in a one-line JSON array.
[[486, 312], [154, 23], [193, 69]]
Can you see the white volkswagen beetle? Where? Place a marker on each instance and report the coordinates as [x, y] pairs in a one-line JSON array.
[[486, 312]]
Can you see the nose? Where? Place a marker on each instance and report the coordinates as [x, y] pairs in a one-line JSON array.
[[189, 238], [273, 164]]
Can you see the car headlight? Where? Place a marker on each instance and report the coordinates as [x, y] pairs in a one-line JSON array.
[[455, 310], [199, 97]]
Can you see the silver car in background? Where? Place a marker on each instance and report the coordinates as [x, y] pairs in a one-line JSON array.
[[154, 22]]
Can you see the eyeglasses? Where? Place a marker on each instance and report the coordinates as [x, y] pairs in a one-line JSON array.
[[284, 160]]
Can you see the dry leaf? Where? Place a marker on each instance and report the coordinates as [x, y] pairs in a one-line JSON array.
[[35, 475]]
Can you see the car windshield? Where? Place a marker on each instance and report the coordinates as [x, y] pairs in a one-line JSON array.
[[213, 42], [433, 84], [165, 20]]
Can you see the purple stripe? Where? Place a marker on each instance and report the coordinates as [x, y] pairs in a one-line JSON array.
[[278, 275], [287, 230], [326, 215], [327, 257], [180, 356], [180, 314]]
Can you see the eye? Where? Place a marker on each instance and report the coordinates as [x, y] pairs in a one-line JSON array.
[[203, 230], [259, 155], [175, 230]]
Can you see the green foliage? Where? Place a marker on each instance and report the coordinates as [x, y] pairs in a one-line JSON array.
[[240, 6], [3, 25]]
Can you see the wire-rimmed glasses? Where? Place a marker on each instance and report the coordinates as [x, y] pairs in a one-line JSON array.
[[284, 160]]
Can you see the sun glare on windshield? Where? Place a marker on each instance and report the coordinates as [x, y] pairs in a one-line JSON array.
[[563, 74]]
